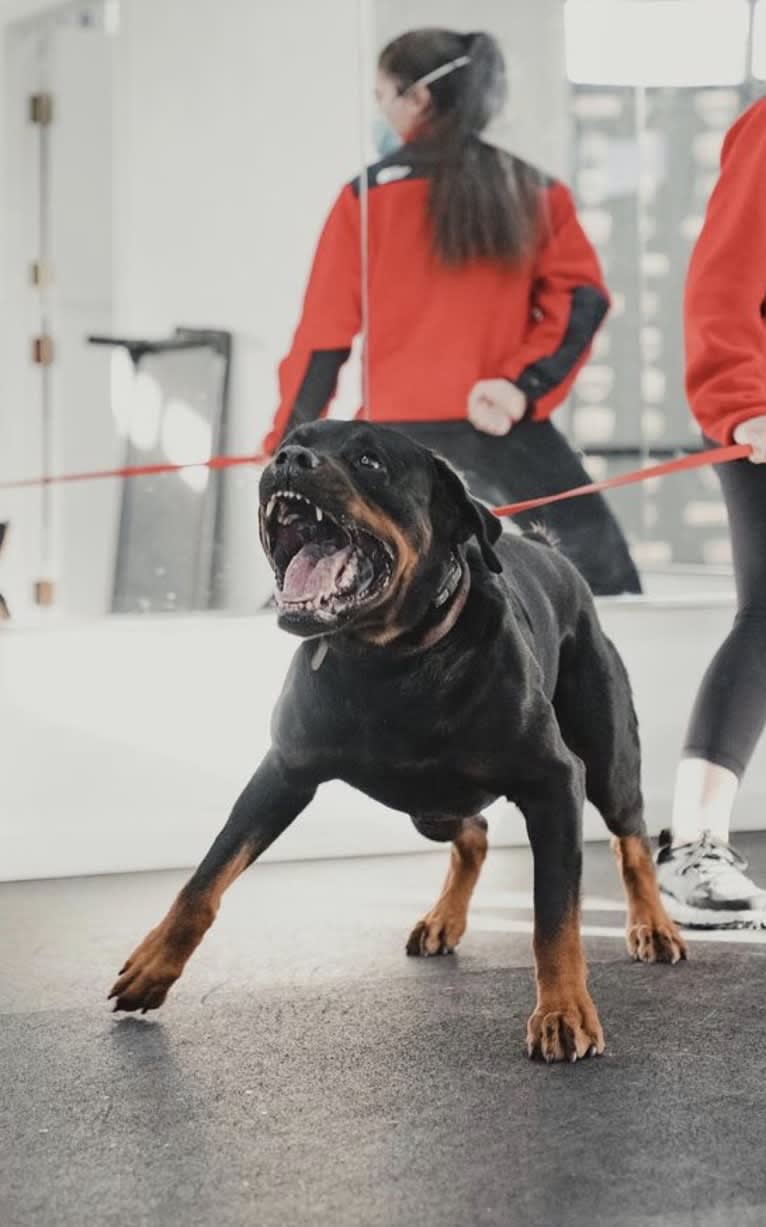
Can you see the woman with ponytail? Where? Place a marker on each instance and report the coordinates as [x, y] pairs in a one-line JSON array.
[[483, 296]]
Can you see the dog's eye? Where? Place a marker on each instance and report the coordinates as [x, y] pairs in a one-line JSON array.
[[368, 460]]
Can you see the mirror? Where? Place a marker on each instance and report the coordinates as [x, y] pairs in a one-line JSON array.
[[629, 105], [652, 97], [201, 221]]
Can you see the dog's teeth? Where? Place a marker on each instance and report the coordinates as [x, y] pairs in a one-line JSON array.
[[319, 514], [271, 504]]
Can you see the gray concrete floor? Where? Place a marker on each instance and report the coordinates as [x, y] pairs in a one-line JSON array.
[[305, 1072]]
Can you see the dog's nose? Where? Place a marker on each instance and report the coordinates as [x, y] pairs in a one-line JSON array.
[[294, 457]]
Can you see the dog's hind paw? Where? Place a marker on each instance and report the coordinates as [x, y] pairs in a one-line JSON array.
[[656, 941], [437, 933]]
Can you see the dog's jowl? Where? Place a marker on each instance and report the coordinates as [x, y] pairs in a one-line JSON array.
[[443, 666]]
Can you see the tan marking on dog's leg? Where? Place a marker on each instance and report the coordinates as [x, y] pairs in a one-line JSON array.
[[440, 929], [651, 936], [158, 961], [565, 1025]]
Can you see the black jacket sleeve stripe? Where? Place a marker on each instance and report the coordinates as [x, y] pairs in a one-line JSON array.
[[589, 306], [317, 386]]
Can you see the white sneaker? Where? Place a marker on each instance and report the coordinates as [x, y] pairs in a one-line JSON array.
[[703, 885]]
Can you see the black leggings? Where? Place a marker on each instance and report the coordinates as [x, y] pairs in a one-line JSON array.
[[535, 459], [730, 709]]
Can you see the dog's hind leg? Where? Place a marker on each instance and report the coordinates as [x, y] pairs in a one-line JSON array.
[[595, 711], [440, 929], [651, 936]]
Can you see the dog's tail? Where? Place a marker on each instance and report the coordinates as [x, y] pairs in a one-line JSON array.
[[543, 535]]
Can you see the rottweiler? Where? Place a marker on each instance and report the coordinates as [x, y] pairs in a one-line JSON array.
[[445, 664]]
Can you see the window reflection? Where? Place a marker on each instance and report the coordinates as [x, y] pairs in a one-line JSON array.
[[657, 42], [654, 86]]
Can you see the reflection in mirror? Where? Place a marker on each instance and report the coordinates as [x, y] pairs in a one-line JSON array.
[[477, 348], [171, 401], [654, 89]]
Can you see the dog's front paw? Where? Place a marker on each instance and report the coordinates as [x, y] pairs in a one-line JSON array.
[[438, 932], [149, 973], [654, 939], [565, 1030]]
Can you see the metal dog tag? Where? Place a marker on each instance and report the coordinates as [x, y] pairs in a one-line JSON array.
[[319, 655]]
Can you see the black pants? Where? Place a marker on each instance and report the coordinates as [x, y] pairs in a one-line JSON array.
[[730, 709], [535, 459]]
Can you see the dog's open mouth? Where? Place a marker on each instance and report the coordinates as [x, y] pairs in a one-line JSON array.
[[323, 568]]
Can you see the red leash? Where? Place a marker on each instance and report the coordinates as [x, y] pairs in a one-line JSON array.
[[718, 455], [137, 470]]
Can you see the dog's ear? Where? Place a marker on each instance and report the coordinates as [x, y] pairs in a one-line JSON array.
[[473, 518]]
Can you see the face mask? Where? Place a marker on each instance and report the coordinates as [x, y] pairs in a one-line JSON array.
[[384, 138]]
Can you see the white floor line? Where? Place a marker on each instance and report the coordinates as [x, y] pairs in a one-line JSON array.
[[523, 899], [510, 900], [490, 924]]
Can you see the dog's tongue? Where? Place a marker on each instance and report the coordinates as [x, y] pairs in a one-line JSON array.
[[314, 572]]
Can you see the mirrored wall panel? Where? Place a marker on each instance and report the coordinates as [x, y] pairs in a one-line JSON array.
[[233, 259]]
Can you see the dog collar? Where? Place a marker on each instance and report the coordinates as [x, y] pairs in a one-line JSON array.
[[450, 584], [458, 587], [319, 655]]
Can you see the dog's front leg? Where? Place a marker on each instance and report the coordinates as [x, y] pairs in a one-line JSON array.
[[564, 1025], [268, 805]]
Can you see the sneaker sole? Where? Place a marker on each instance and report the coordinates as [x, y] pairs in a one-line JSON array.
[[705, 918]]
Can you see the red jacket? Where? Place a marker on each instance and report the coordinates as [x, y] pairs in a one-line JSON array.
[[726, 288], [433, 330]]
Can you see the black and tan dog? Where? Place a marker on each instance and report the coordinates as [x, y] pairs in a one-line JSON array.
[[444, 667]]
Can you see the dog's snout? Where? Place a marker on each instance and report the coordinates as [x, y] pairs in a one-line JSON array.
[[295, 457]]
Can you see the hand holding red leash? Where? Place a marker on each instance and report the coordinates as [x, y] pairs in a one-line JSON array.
[[753, 432]]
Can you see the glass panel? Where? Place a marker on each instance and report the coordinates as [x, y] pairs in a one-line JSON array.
[[544, 122], [627, 102], [204, 209], [657, 89]]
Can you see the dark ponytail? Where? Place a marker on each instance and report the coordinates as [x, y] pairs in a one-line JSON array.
[[483, 203]]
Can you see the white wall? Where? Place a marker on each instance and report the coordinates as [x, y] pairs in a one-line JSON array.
[[73, 63], [125, 741]]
